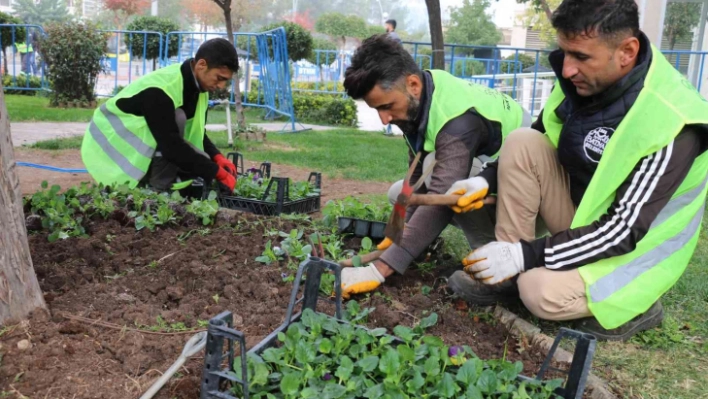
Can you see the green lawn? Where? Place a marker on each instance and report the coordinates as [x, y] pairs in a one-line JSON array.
[[347, 153], [36, 109]]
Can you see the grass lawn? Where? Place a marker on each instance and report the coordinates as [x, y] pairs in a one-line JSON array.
[[347, 153], [36, 109], [665, 363]]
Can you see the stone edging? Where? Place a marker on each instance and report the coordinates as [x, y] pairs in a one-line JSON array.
[[521, 328]]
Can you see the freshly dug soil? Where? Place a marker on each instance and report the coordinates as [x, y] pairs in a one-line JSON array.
[[143, 280]]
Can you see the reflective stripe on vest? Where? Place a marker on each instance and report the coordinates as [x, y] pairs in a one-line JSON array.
[[115, 156], [123, 132], [626, 273]]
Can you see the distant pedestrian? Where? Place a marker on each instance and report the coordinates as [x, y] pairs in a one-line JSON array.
[[391, 30]]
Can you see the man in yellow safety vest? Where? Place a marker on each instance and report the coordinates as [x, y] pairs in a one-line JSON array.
[[615, 166]]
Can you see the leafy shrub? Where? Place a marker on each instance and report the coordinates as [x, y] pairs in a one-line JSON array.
[[469, 68], [298, 38], [73, 52], [136, 42], [254, 186], [331, 86], [330, 109], [525, 59], [322, 44], [353, 208], [21, 81]]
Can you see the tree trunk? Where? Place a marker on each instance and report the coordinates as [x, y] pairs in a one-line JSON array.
[[240, 116], [19, 290], [546, 9], [436, 33], [4, 57]]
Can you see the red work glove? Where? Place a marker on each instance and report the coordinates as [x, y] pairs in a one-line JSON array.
[[223, 162], [226, 178]]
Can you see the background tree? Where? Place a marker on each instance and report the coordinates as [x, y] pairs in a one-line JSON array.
[[41, 12], [372, 30], [136, 42], [6, 35], [19, 290], [119, 11], [470, 24], [204, 12], [436, 33], [340, 27], [541, 6], [325, 58], [299, 39], [680, 20], [538, 19], [303, 19], [244, 11], [73, 52]]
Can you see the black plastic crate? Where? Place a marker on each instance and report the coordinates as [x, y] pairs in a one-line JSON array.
[[361, 227], [238, 160], [217, 379], [282, 203]]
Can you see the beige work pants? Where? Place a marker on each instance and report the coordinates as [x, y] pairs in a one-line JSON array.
[[532, 183]]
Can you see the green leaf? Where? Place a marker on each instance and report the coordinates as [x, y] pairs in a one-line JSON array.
[[377, 332], [473, 392], [374, 392], [467, 374], [367, 244], [325, 346], [309, 393], [334, 391], [406, 353], [487, 382], [415, 383], [356, 261], [345, 369], [432, 341], [260, 371], [304, 353], [368, 364], [447, 387], [429, 321], [272, 355], [290, 384], [390, 362], [510, 371], [432, 366], [404, 333]]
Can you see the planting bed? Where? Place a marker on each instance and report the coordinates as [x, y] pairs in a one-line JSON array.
[[174, 279]]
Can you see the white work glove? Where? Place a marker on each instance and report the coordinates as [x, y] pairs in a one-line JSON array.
[[495, 262], [473, 191], [358, 280]]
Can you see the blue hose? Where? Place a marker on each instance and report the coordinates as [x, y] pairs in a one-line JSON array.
[[52, 168]]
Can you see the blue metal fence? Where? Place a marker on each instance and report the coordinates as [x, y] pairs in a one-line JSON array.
[[23, 66], [265, 74]]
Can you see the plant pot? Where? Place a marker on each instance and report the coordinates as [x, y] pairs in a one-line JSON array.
[[250, 136], [345, 225], [260, 136], [361, 228], [92, 104], [62, 104], [377, 230]]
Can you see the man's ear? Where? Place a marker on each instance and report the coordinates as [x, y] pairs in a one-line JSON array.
[[201, 65], [628, 51], [414, 85]]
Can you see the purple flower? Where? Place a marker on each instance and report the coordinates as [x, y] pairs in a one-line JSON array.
[[284, 275], [327, 377], [455, 351]]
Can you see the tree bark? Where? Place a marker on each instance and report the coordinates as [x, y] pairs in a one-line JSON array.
[[19, 289], [226, 7], [436, 33], [546, 9]]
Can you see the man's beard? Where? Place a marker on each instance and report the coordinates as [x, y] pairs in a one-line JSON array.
[[408, 126]]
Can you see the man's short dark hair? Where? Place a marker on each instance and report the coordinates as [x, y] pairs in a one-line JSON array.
[[611, 19], [392, 22], [218, 53], [379, 60]]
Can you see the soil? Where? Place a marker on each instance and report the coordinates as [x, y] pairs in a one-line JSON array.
[[31, 178], [145, 279]]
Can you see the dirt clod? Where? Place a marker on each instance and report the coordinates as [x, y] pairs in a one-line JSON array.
[[24, 345]]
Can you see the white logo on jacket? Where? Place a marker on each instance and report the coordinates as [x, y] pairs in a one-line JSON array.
[[595, 142]]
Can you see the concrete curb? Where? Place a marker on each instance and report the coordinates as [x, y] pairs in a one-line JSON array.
[[542, 342]]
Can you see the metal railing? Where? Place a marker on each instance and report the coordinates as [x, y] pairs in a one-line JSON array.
[[127, 50]]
